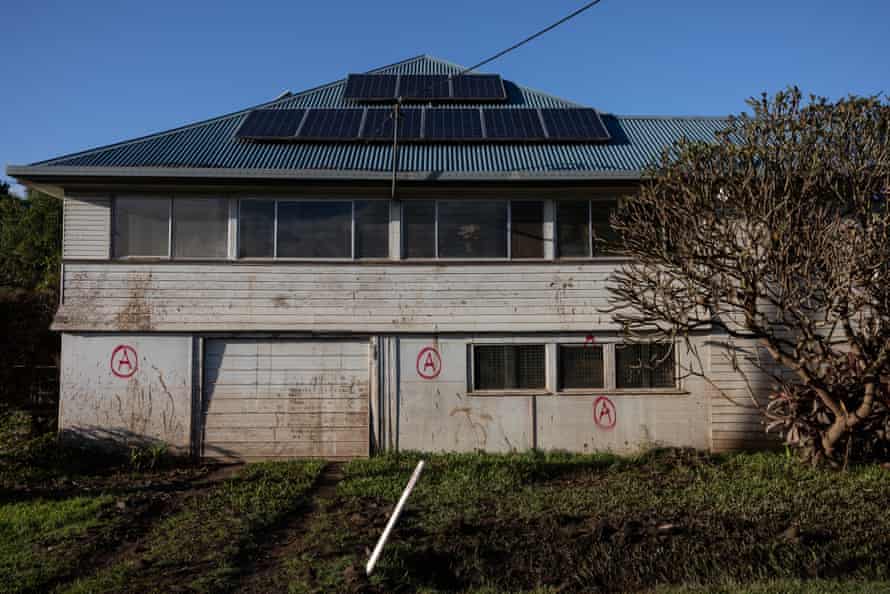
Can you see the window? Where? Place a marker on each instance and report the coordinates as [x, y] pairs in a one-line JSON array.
[[472, 229], [200, 227], [573, 228], [604, 235], [509, 367], [583, 228], [314, 230], [256, 229], [644, 366], [526, 229], [141, 227], [372, 229], [419, 228], [580, 366]]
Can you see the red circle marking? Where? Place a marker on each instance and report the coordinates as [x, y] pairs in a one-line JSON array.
[[124, 361], [429, 363], [604, 413]]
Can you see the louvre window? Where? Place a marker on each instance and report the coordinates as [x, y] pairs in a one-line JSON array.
[[580, 367], [141, 227], [509, 367], [644, 366], [200, 227], [371, 229], [314, 229], [256, 229], [526, 229]]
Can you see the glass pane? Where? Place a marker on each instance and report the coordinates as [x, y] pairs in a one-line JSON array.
[[314, 229], [418, 226], [530, 368], [526, 230], [644, 366], [372, 229], [256, 228], [200, 227], [581, 367], [573, 233], [472, 229], [663, 368], [141, 227], [605, 239], [509, 367]]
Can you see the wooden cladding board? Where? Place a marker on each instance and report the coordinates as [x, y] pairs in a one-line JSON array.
[[368, 298], [736, 423], [87, 228], [267, 399]]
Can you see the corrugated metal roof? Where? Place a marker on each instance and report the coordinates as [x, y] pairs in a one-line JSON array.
[[211, 144]]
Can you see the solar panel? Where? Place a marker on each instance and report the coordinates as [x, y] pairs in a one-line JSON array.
[[453, 124], [371, 87], [513, 124], [270, 124], [331, 124], [574, 124], [378, 124], [424, 86], [478, 87]]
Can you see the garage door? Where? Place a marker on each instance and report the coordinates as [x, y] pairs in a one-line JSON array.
[[285, 399]]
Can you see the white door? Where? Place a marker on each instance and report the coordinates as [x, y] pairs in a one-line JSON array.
[[267, 399]]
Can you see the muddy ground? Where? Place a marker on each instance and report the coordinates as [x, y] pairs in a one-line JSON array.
[[672, 521]]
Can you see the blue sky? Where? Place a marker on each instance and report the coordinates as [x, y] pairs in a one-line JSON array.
[[81, 74]]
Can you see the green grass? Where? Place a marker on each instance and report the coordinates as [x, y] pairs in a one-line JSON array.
[[200, 548], [42, 541], [591, 523]]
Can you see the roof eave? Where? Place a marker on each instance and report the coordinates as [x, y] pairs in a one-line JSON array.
[[26, 173]]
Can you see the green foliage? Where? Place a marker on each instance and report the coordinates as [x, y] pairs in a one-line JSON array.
[[150, 457], [30, 241]]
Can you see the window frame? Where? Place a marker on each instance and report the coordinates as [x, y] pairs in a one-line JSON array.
[[276, 258], [471, 370], [171, 236], [403, 247], [591, 241], [608, 364], [114, 230]]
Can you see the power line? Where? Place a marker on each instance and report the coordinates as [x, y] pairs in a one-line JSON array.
[[532, 37]]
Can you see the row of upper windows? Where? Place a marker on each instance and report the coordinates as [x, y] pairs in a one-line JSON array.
[[357, 229]]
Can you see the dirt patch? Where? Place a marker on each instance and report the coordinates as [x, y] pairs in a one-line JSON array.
[[262, 571], [139, 506]]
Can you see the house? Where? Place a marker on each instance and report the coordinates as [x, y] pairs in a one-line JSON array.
[[291, 280]]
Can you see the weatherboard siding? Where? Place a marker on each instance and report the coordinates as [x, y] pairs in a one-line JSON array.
[[331, 297], [737, 383], [87, 227]]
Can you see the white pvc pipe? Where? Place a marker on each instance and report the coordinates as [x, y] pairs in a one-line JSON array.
[[392, 520]]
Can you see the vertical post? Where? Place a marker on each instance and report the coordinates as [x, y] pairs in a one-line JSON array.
[[395, 144]]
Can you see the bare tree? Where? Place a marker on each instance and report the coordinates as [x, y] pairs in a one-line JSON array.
[[777, 234]]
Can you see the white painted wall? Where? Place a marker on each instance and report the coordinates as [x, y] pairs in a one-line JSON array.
[[442, 414], [153, 405]]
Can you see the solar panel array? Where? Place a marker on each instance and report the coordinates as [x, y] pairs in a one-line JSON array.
[[425, 88], [427, 124]]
